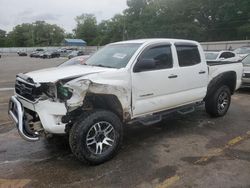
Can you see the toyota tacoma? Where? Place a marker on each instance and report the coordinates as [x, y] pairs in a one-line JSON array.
[[122, 83]]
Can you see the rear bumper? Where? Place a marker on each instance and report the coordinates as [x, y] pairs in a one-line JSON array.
[[16, 112]]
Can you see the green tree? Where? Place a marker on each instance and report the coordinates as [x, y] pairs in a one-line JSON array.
[[221, 19], [38, 33], [86, 28], [44, 34], [69, 35], [202, 20], [2, 38], [20, 36]]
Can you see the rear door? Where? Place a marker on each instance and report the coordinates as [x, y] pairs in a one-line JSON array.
[[193, 72]]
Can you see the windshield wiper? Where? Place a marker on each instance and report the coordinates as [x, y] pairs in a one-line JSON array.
[[100, 65]]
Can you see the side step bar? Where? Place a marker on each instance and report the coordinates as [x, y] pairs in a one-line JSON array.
[[157, 117]]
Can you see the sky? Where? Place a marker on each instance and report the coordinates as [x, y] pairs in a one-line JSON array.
[[60, 12]]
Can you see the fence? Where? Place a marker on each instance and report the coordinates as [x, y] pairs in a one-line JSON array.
[[223, 45], [87, 49]]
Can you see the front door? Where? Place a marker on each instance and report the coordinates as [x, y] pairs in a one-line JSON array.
[[153, 89]]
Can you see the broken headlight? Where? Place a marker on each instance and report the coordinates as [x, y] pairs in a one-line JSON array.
[[49, 89], [63, 93]]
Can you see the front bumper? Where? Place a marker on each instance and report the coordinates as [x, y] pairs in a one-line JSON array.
[[49, 113], [16, 112]]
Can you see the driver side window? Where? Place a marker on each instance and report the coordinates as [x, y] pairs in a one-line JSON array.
[[161, 55]]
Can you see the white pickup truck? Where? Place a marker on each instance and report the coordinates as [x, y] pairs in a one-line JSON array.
[[124, 82]]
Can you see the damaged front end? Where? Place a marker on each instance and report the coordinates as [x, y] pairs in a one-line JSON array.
[[40, 109], [37, 108]]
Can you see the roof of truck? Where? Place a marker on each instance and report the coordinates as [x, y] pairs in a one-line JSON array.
[[152, 40]]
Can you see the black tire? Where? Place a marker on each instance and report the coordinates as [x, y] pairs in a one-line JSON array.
[[215, 106], [81, 130]]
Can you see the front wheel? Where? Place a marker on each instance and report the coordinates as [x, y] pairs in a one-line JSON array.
[[96, 137], [217, 104]]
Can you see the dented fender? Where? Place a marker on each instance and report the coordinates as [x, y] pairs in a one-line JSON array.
[[82, 87]]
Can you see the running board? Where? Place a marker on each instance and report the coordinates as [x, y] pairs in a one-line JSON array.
[[157, 117], [150, 119], [186, 110]]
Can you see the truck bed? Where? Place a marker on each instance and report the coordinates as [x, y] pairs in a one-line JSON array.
[[217, 67], [212, 63]]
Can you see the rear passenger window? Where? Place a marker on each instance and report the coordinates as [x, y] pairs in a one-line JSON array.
[[227, 55], [188, 55], [162, 56]]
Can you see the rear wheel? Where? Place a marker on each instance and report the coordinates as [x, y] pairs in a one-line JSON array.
[[96, 137], [217, 104]]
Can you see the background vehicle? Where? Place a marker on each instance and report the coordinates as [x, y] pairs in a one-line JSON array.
[[79, 60], [246, 72], [122, 83], [22, 53], [75, 54], [36, 53], [64, 52], [242, 51], [221, 56], [49, 54]]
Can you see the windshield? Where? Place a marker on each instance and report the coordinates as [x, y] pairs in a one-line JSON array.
[[246, 61], [80, 60], [114, 55], [242, 51], [211, 55]]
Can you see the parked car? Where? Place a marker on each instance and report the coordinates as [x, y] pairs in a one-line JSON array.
[[79, 60], [246, 72], [75, 54], [122, 83], [36, 53], [55, 54], [33, 54], [44, 54], [64, 52], [49, 54], [221, 56], [22, 53], [242, 51]]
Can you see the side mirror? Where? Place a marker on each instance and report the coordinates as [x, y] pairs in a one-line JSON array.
[[144, 65]]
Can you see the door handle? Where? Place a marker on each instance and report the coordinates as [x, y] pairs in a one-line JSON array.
[[172, 76], [202, 72]]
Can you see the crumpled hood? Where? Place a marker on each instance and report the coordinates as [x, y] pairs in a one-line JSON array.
[[57, 73]]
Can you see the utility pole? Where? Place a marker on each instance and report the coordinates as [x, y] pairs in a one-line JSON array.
[[123, 31]]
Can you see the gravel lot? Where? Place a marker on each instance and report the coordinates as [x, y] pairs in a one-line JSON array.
[[194, 150]]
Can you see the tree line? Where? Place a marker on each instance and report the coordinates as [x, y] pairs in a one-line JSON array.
[[38, 33], [201, 20]]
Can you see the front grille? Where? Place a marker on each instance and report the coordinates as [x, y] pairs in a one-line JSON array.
[[246, 75], [25, 90]]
